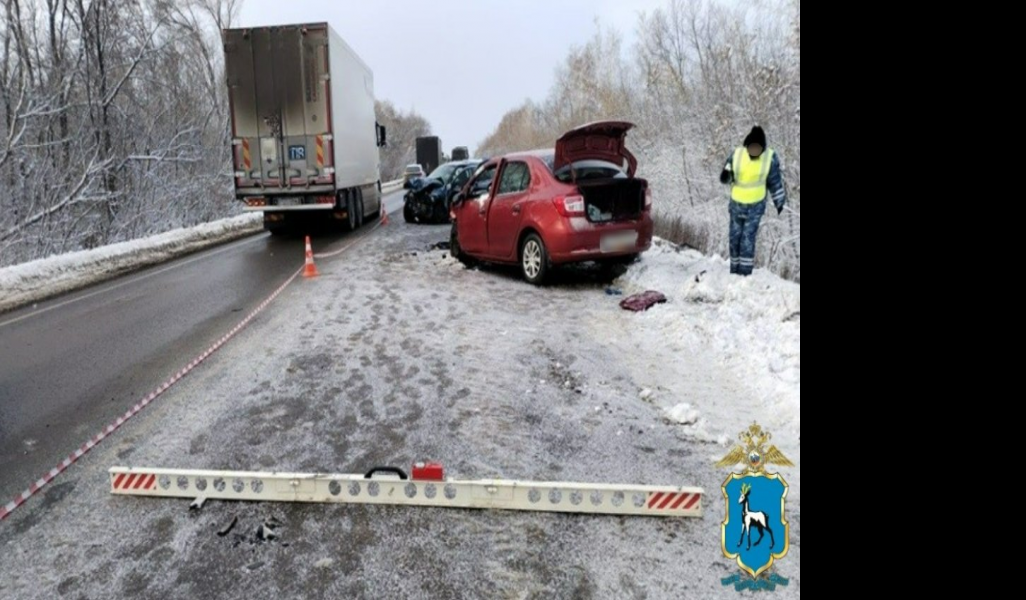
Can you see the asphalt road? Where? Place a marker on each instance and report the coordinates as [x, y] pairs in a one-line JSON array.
[[70, 366]]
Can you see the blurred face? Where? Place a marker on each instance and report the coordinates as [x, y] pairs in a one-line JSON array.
[[755, 150]]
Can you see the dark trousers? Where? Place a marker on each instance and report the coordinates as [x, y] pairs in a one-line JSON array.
[[744, 228]]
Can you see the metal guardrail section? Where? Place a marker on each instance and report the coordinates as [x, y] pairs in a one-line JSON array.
[[579, 498]]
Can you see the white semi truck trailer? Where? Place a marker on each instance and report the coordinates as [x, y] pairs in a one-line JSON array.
[[305, 138]]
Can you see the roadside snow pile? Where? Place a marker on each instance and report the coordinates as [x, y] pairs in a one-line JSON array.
[[41, 279], [683, 414], [753, 322]]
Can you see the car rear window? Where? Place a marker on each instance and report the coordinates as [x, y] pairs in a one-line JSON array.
[[590, 169]]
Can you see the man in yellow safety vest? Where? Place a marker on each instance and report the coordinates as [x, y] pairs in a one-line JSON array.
[[755, 175]]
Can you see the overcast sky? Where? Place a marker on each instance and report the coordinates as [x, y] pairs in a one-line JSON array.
[[460, 63]]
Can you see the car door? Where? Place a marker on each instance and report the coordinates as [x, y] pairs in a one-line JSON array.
[[506, 211], [472, 212]]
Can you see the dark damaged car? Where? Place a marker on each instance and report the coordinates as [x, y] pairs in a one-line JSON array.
[[430, 198]]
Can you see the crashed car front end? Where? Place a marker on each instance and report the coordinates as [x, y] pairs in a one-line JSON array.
[[426, 202]]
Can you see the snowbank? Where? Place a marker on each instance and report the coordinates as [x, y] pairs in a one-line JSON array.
[[753, 323], [41, 279]]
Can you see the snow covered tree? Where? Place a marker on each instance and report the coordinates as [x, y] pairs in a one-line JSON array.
[[700, 76], [403, 129], [113, 121]]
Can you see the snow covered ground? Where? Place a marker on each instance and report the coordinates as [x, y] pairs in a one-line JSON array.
[[398, 353], [747, 330], [41, 279]]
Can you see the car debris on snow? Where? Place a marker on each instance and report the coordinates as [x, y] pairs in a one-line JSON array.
[[266, 532], [228, 528], [197, 504], [643, 302]]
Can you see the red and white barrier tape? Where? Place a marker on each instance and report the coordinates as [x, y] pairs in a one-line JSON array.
[[5, 511]]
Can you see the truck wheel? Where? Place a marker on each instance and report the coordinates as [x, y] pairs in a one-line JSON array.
[[277, 228], [351, 223], [534, 260], [381, 204], [359, 208]]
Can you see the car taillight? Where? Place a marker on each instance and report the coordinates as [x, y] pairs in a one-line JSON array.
[[569, 206], [648, 199]]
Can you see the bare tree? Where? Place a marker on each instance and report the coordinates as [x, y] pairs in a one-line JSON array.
[[403, 130]]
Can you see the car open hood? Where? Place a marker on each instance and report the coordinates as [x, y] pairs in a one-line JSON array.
[[423, 185], [605, 140]]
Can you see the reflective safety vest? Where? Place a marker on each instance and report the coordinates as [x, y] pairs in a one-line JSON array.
[[750, 176]]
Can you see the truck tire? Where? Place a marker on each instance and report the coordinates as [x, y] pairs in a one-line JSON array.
[[277, 229], [359, 208], [381, 203], [351, 223]]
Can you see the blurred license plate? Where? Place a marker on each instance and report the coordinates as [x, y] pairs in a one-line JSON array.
[[290, 202], [619, 242]]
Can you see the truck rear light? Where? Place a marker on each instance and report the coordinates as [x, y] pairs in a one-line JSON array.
[[240, 174], [256, 202], [569, 206], [329, 170], [325, 200]]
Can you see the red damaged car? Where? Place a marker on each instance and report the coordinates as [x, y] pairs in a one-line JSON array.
[[580, 203]]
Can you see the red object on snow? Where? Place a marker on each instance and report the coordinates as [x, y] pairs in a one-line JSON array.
[[428, 472], [643, 302]]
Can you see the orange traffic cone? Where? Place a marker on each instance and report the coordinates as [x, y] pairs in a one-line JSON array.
[[310, 270], [384, 215]]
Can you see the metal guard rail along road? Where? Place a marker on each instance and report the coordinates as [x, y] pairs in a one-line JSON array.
[[426, 488]]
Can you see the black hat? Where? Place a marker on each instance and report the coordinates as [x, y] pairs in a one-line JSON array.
[[757, 136]]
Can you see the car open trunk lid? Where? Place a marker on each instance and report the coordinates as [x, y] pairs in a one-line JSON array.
[[605, 140]]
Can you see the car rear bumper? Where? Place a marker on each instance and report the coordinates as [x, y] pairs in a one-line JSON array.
[[579, 240]]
